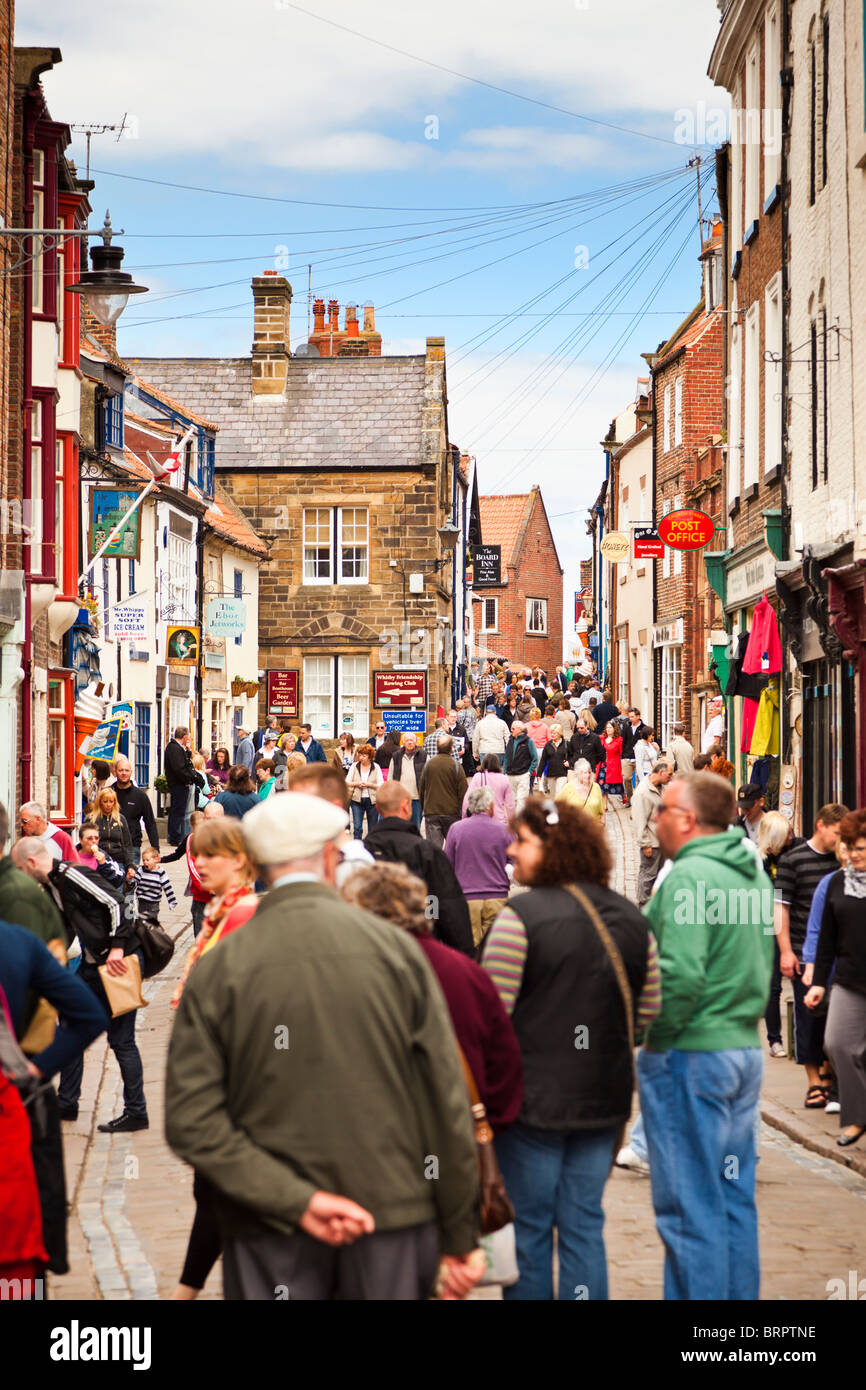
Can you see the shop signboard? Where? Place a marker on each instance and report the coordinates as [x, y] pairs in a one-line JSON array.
[[182, 645], [687, 529], [399, 689], [226, 617], [104, 740], [615, 547], [487, 566], [129, 622], [107, 507], [648, 544]]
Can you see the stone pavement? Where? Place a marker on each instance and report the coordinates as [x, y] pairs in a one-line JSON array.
[[132, 1204]]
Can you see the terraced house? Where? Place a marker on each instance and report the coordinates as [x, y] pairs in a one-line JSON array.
[[339, 458]]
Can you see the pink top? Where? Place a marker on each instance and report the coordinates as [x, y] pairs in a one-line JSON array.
[[539, 732], [503, 796]]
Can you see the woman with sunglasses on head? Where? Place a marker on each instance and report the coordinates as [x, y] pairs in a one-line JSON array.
[[572, 961]]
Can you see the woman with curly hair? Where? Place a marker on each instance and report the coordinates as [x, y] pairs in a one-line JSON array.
[[576, 967]]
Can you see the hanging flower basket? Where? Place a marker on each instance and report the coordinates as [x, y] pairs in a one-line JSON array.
[[252, 689], [238, 687]]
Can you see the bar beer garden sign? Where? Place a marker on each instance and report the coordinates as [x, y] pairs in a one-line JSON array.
[[283, 693]]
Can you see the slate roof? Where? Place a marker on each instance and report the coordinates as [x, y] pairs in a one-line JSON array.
[[335, 411]]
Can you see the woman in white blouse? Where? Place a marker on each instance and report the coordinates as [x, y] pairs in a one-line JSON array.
[[646, 753]]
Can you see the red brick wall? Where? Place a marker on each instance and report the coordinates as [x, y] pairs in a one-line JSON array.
[[536, 574], [701, 366]]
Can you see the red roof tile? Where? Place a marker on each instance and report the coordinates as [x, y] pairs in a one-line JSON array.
[[501, 519], [225, 518]]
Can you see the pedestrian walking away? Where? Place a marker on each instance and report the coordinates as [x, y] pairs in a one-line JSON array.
[[568, 949], [700, 1069], [478, 851], [645, 804], [328, 1201]]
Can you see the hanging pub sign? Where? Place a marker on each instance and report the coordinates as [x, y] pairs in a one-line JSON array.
[[107, 506], [283, 693], [615, 547], [648, 544], [399, 689], [687, 530], [226, 617], [182, 646], [486, 566]]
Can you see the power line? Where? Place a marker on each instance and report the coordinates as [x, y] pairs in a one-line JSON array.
[[479, 82]]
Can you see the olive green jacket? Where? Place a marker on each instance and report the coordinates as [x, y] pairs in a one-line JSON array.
[[312, 1050]]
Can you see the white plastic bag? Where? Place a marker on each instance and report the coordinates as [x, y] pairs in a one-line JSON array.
[[501, 1251]]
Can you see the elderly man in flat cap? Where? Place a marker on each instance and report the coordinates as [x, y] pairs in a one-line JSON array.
[[314, 1080]]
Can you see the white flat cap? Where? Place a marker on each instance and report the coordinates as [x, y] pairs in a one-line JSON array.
[[291, 826]]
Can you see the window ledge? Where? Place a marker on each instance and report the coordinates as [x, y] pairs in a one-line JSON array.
[[773, 474], [774, 197], [733, 507], [750, 492], [751, 233], [736, 266]]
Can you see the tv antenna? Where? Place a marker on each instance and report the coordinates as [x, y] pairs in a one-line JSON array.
[[88, 131]]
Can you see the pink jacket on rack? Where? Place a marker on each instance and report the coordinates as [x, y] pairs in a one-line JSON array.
[[764, 652]]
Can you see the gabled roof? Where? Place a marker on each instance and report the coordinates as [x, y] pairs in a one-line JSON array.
[[504, 519], [139, 384], [335, 412], [501, 519]]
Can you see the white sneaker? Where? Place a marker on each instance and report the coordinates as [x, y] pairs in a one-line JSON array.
[[627, 1158], [777, 1050], [832, 1107]]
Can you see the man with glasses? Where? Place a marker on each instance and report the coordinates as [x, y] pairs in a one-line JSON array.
[[700, 1069]]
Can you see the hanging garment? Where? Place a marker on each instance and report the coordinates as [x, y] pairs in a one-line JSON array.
[[760, 774], [738, 682], [765, 738], [764, 652], [750, 714]]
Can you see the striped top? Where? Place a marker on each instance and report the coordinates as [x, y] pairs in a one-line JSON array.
[[150, 884], [504, 959]]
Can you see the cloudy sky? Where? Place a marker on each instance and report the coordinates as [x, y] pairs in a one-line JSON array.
[[512, 176]]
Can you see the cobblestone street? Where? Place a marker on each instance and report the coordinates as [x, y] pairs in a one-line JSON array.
[[132, 1201]]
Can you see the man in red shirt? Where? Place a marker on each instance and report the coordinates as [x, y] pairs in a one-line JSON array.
[[33, 821]]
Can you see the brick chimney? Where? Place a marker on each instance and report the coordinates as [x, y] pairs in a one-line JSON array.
[[318, 316], [369, 334], [104, 334], [272, 302]]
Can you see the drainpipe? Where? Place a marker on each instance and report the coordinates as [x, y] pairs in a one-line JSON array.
[[27, 411], [787, 81], [657, 703], [199, 617]]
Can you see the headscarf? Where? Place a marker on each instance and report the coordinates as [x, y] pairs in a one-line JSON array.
[[855, 882], [215, 915]]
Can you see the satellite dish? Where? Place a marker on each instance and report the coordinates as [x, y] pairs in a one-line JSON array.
[[307, 350]]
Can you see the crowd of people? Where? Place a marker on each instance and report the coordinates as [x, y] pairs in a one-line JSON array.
[[408, 1021]]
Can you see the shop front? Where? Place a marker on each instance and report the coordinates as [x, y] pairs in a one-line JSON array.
[[668, 647]]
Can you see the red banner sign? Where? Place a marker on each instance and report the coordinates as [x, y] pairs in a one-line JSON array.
[[400, 689], [687, 530], [283, 693], [648, 544]]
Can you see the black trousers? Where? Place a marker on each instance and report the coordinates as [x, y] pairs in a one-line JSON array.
[[178, 800], [205, 1243], [391, 1266], [773, 1016]]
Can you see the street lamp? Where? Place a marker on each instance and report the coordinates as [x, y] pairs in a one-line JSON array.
[[449, 534], [106, 288]]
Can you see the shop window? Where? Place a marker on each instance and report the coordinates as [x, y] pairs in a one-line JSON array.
[[142, 744]]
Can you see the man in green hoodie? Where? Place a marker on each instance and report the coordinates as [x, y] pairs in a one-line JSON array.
[[700, 1069]]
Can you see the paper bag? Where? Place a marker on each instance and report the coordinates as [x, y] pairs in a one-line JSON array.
[[123, 992]]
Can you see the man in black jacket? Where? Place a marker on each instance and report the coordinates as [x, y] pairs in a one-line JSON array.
[[105, 927], [180, 775], [633, 728], [584, 744], [407, 766], [135, 806], [397, 840]]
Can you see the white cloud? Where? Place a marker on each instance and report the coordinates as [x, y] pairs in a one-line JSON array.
[[264, 85]]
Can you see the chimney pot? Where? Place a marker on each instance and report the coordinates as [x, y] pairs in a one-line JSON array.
[[351, 321]]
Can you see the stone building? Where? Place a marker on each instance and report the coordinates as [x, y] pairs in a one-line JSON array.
[[342, 465], [522, 618]]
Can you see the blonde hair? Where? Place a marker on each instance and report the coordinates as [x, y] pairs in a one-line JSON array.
[[100, 797], [535, 712], [773, 831], [199, 762], [589, 720], [295, 760]]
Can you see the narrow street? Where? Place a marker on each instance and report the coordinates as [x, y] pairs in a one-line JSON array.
[[132, 1202]]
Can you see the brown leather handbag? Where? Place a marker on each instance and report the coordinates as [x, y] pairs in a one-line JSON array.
[[496, 1208]]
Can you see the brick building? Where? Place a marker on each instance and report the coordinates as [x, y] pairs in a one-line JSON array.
[[41, 396], [688, 389], [747, 62], [628, 447], [522, 618], [342, 465]]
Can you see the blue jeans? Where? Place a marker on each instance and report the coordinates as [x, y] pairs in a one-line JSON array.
[[358, 810], [557, 1179], [121, 1040], [699, 1111], [637, 1139], [416, 813]]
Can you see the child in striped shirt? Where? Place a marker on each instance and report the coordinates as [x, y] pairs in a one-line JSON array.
[[151, 881]]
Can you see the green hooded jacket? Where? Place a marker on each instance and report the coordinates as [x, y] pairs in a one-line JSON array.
[[713, 920]]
